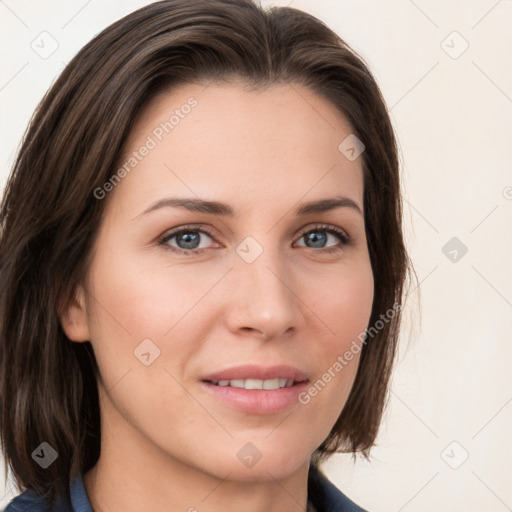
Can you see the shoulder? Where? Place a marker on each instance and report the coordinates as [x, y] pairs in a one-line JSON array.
[[326, 497], [27, 502], [31, 502]]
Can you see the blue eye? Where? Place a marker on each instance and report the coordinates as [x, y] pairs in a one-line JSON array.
[[188, 239], [312, 236]]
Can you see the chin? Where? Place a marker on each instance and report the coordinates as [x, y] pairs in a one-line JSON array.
[[270, 466]]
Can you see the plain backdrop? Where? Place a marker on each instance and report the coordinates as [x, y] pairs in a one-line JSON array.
[[445, 70]]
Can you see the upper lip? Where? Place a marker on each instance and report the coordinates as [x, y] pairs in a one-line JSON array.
[[252, 371]]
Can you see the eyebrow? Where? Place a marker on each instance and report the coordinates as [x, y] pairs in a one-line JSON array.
[[218, 208]]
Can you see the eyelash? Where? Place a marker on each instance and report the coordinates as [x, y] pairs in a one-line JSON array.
[[333, 230]]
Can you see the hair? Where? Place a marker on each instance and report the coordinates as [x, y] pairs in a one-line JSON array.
[[49, 215]]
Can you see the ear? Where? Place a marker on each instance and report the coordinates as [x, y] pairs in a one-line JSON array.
[[74, 318]]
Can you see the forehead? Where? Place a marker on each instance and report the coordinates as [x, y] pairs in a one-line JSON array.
[[224, 140]]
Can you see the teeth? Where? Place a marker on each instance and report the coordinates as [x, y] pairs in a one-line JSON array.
[[270, 384], [257, 383]]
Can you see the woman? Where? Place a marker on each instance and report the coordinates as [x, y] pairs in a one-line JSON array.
[[202, 267]]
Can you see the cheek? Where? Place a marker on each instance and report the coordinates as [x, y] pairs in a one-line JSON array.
[[343, 305], [343, 302], [140, 316], [139, 298], [144, 297]]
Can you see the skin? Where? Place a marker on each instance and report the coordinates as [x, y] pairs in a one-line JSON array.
[[167, 445]]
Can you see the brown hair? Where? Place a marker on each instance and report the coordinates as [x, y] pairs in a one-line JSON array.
[[49, 216]]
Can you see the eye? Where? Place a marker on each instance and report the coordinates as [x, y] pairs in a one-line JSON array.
[[188, 239], [319, 235]]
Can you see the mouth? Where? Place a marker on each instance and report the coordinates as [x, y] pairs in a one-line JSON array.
[[256, 389], [267, 384]]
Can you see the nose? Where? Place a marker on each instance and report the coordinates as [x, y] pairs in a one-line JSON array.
[[262, 298]]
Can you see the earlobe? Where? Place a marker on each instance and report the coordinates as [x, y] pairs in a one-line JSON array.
[[74, 318]]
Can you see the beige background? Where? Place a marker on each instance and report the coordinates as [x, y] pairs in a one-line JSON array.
[[452, 110]]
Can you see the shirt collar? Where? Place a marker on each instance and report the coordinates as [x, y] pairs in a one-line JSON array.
[[79, 498]]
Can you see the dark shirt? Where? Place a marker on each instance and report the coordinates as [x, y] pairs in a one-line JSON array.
[[323, 495]]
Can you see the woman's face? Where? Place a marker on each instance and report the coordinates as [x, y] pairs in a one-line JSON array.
[[164, 318]]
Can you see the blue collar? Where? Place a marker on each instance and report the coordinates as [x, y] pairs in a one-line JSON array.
[[79, 498]]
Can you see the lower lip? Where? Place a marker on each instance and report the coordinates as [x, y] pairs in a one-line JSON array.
[[257, 401]]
